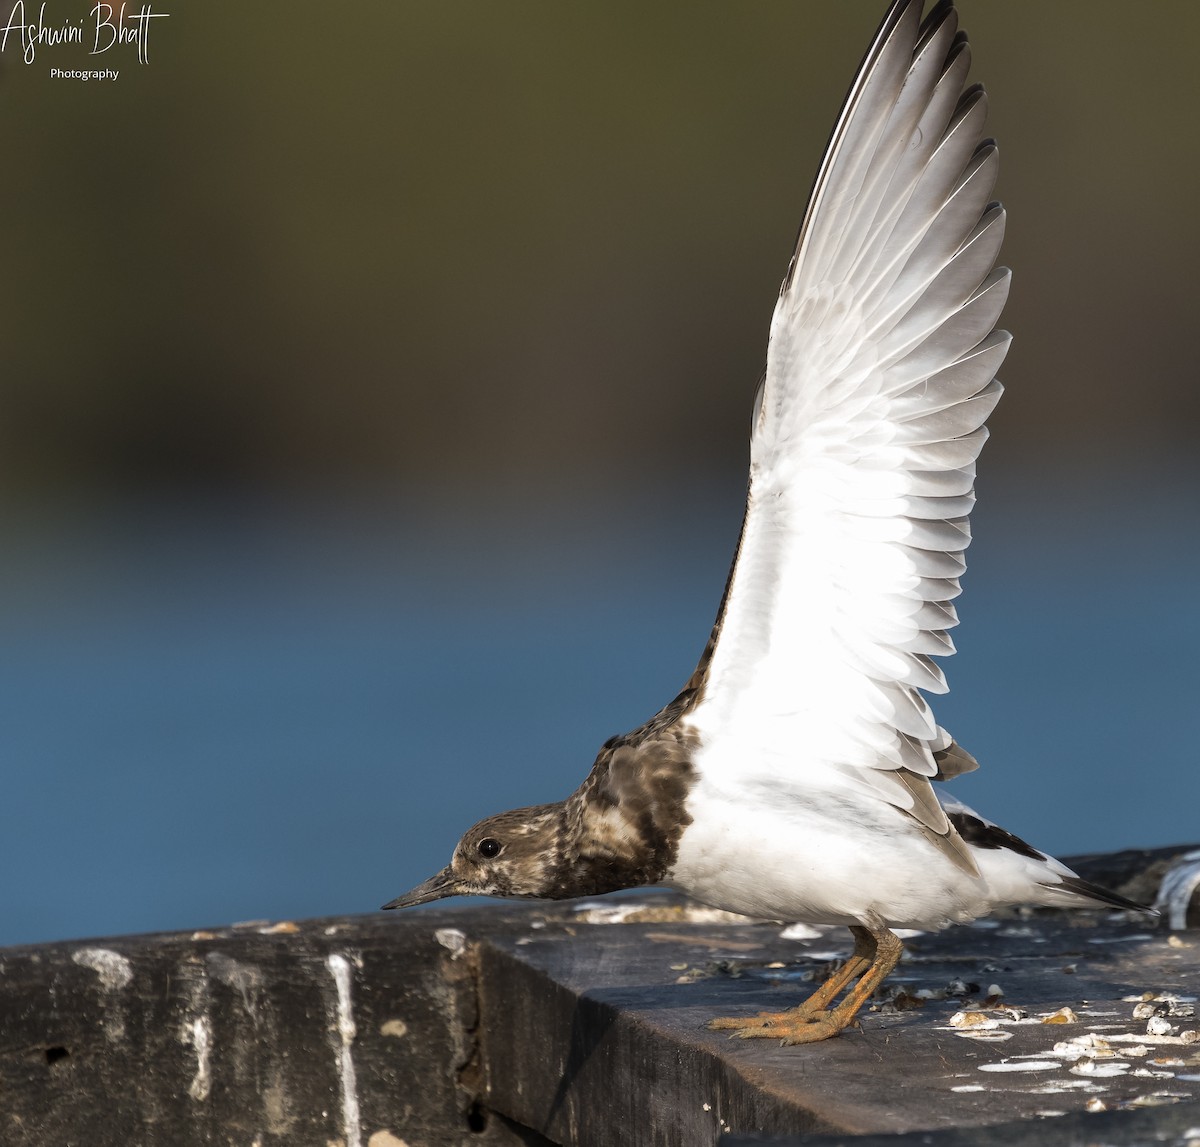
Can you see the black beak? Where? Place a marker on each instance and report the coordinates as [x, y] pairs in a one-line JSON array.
[[436, 887]]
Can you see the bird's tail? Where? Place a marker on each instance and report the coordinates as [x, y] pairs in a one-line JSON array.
[[1101, 895]]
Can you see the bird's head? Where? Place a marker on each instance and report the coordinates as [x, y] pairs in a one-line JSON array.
[[512, 854]]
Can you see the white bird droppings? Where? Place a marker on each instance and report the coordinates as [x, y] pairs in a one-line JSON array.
[[199, 1034], [972, 1020], [1021, 1065], [1132, 939], [395, 1028], [245, 979], [1088, 1045], [112, 968], [1099, 1067], [115, 973], [453, 940], [339, 968]]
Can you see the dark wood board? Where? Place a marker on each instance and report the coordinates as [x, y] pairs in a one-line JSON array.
[[535, 1023]]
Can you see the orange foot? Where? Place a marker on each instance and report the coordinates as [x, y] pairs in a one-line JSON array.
[[876, 953], [791, 1027]]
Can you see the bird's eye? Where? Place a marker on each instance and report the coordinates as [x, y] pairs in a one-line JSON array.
[[489, 847]]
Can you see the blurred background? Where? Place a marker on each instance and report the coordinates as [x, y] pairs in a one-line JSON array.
[[373, 408]]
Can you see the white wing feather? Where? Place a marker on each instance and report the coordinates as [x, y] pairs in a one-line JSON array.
[[880, 373]]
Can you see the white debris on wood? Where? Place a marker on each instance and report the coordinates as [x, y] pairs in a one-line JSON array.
[[1086, 1046], [116, 973], [113, 969], [245, 979], [1184, 1038], [196, 1031], [1021, 1065], [1099, 1067], [1167, 1004], [344, 1026], [972, 1020], [199, 1034], [453, 940]]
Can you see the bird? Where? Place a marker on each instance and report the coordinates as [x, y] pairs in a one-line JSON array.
[[793, 777]]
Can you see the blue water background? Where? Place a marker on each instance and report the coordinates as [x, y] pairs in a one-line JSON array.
[[211, 713]]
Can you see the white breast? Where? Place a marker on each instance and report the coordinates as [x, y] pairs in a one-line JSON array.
[[823, 852]]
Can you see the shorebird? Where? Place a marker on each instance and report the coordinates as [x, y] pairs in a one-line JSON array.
[[792, 778]]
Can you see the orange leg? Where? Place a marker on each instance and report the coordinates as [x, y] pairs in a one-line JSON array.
[[876, 952]]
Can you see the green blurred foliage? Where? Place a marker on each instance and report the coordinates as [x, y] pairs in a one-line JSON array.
[[454, 245]]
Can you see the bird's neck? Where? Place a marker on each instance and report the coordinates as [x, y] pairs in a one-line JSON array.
[[621, 827]]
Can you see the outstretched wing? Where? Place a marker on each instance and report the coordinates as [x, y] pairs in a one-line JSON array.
[[880, 373]]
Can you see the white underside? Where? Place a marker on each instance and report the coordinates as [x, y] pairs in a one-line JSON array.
[[828, 852]]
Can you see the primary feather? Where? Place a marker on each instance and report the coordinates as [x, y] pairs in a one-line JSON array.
[[880, 373]]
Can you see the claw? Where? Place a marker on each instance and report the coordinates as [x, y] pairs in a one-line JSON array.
[[876, 953]]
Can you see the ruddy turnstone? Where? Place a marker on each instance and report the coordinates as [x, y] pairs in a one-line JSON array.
[[791, 779]]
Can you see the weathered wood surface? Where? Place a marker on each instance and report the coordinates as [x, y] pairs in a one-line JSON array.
[[503, 1024], [1175, 1126], [331, 1031], [606, 1011]]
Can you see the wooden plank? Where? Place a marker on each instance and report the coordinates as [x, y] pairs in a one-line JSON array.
[[336, 1031], [579, 1043], [590, 1038], [535, 1024], [1178, 1124]]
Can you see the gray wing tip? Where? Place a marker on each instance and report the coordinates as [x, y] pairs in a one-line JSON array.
[[934, 20]]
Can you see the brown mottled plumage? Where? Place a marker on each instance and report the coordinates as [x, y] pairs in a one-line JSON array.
[[619, 829]]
